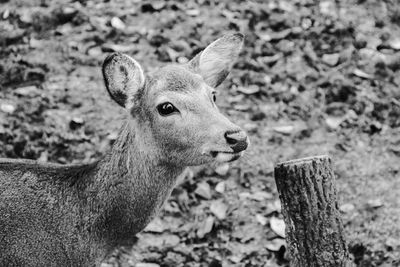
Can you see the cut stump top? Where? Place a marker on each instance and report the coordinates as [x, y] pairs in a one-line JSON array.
[[301, 161]]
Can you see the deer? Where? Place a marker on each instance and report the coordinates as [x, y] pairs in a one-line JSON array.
[[75, 215]]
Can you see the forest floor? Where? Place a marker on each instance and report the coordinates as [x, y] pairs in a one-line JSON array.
[[315, 77]]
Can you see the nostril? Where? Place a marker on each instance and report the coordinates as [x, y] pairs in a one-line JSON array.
[[237, 140], [230, 138]]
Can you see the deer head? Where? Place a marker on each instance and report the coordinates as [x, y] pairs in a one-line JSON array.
[[173, 109]]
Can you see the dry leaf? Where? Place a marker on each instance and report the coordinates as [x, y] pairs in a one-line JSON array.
[[117, 23], [278, 226], [7, 108], [155, 226], [275, 244], [261, 219], [347, 208], [222, 169], [220, 187], [205, 227], [203, 190], [362, 74], [219, 209], [286, 129]]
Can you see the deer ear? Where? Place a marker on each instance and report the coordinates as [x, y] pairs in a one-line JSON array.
[[215, 62], [123, 77]]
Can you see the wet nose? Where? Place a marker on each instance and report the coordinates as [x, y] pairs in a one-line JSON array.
[[237, 140]]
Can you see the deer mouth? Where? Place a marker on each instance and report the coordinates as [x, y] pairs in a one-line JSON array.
[[225, 156]]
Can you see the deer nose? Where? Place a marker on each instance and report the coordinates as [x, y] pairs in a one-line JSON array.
[[237, 140]]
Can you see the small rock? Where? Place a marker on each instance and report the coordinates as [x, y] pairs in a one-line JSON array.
[[203, 190], [7, 108], [117, 23], [278, 226], [222, 170]]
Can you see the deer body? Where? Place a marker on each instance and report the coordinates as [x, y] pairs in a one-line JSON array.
[[73, 215], [76, 214]]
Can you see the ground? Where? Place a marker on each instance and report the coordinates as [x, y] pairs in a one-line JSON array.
[[315, 77]]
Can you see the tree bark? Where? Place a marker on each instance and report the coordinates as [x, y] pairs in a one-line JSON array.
[[314, 229]]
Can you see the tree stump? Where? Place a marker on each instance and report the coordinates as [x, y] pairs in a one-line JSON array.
[[314, 229]]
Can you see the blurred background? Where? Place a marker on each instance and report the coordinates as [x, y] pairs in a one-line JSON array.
[[315, 77]]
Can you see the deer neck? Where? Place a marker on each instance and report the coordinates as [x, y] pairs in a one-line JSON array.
[[132, 186]]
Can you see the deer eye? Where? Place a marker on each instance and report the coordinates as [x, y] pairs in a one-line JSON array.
[[166, 109], [214, 97]]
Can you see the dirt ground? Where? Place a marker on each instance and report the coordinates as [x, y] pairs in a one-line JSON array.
[[315, 77]]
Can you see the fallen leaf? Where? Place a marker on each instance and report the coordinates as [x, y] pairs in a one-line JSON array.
[[395, 44], [117, 48], [95, 51], [258, 196], [278, 226], [347, 208], [155, 226], [117, 23], [261, 219], [362, 74], [27, 90], [203, 190], [220, 187], [219, 209], [275, 244], [146, 264], [285, 129], [7, 108], [222, 169], [250, 90], [193, 12], [331, 59], [333, 122], [374, 203], [205, 227]]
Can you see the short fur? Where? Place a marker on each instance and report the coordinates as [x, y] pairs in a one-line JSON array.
[[73, 215]]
